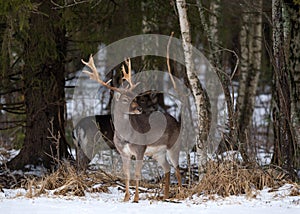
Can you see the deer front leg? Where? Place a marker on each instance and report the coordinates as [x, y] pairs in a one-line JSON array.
[[127, 194], [136, 195], [167, 185], [138, 168], [126, 171]]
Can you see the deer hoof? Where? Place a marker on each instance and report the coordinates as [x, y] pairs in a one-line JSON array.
[[136, 200], [165, 198], [126, 198]]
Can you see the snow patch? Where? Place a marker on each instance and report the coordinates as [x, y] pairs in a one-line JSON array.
[[266, 200]]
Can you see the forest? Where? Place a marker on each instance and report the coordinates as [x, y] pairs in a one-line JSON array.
[[239, 62]]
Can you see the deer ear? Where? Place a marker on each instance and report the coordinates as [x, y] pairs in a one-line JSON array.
[[154, 97], [117, 96]]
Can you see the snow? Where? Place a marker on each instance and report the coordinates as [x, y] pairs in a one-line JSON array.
[[6, 155], [265, 201], [279, 201]]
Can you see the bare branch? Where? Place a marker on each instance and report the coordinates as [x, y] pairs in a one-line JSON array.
[[168, 61], [68, 4]]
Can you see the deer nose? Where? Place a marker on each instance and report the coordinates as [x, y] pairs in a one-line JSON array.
[[139, 108]]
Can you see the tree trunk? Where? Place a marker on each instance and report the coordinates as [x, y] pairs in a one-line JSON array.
[[251, 51], [44, 91], [215, 54], [284, 141], [215, 57], [294, 69], [201, 99]]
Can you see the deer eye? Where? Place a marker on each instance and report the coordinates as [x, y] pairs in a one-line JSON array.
[[142, 100], [125, 100]]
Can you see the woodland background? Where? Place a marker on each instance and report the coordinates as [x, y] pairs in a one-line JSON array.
[[254, 45]]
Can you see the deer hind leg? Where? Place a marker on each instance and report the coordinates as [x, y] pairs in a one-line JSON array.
[[178, 176], [162, 161], [173, 155]]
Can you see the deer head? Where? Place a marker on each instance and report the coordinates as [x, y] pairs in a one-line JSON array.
[[126, 101]]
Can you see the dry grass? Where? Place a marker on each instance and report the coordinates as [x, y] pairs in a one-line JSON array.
[[230, 178], [224, 179], [67, 181], [295, 190]]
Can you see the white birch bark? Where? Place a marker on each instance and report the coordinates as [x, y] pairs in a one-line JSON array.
[[197, 90]]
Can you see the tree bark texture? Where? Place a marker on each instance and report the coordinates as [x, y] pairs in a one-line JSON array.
[[211, 27], [293, 48], [44, 91], [199, 93], [284, 141], [251, 53]]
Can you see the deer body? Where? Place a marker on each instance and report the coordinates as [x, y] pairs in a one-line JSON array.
[[94, 133], [136, 136]]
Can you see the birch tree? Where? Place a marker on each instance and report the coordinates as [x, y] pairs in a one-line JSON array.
[[215, 54], [198, 91]]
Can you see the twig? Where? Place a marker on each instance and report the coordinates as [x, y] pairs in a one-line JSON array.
[[56, 140], [66, 5], [168, 61]]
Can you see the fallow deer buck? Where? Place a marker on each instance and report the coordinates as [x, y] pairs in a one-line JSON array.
[[95, 133], [138, 140]]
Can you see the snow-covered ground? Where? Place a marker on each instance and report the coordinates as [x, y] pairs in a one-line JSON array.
[[266, 201]]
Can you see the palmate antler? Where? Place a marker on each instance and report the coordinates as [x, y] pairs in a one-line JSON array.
[[95, 76]]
